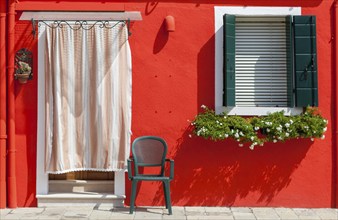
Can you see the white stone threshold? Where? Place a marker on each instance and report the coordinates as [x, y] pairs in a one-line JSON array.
[[80, 199]]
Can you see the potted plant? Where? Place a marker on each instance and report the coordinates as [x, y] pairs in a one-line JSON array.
[[23, 71], [275, 127]]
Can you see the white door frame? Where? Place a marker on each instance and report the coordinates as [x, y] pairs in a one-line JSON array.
[[41, 175]]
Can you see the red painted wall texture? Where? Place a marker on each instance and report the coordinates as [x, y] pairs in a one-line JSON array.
[[173, 75]]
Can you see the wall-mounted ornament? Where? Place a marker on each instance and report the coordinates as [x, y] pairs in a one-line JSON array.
[[23, 65]]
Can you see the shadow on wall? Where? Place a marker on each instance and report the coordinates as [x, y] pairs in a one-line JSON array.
[[161, 39], [220, 173]]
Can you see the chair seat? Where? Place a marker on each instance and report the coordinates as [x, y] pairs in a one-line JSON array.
[[150, 177]]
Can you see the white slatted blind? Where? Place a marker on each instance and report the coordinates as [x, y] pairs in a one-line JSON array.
[[261, 61]]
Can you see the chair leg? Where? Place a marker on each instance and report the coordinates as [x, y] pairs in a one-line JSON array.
[[165, 195], [167, 189], [133, 195]]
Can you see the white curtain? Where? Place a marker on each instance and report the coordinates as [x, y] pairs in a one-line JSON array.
[[88, 99]]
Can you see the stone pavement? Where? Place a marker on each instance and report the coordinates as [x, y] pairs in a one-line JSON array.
[[179, 213]]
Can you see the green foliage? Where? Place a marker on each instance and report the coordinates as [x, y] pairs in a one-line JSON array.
[[257, 130]]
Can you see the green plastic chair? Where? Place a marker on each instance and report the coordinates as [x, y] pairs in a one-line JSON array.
[[150, 151]]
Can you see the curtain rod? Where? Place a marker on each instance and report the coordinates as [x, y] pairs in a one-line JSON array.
[[81, 24]]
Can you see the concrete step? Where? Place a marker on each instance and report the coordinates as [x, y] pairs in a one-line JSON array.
[[79, 199], [67, 186]]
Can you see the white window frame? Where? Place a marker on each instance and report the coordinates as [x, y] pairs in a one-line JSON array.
[[243, 10]]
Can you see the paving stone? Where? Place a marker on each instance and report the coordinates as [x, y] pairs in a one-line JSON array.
[[49, 217], [77, 213], [206, 217], [286, 214], [27, 210], [12, 216], [100, 214], [244, 216], [174, 217], [104, 206], [4, 212], [52, 213], [265, 213], [327, 214], [147, 215], [241, 209], [121, 213], [121, 210], [194, 211], [157, 210], [178, 213], [306, 214], [217, 211]]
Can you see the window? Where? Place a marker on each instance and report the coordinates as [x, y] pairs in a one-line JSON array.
[[261, 49], [269, 60]]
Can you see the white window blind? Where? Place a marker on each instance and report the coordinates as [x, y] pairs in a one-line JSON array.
[[261, 61]]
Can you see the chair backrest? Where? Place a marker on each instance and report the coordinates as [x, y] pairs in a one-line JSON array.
[[149, 151]]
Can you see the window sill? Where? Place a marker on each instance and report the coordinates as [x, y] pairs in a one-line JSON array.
[[253, 111]]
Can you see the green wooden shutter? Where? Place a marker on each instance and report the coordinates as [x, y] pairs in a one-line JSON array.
[[305, 61], [289, 60], [229, 60]]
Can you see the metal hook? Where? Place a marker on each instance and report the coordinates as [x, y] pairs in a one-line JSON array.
[[33, 28], [128, 27]]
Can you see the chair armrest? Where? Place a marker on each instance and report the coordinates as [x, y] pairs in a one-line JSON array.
[[172, 165], [130, 172]]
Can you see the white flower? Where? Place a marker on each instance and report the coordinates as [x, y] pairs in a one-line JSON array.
[[232, 131], [192, 123], [241, 145], [287, 134], [326, 121], [280, 138], [267, 130], [226, 135], [279, 128], [220, 123], [287, 125], [256, 128], [322, 137], [324, 129], [190, 135], [252, 138], [261, 144], [274, 140], [291, 121], [238, 140], [312, 139], [236, 135], [252, 147], [225, 117], [241, 133], [217, 122], [203, 106]]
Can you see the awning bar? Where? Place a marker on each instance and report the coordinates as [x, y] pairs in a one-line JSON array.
[[76, 16]]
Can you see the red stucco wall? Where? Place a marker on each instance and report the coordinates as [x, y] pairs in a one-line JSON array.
[[173, 75]]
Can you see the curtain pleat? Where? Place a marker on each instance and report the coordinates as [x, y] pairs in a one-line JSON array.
[[88, 99]]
